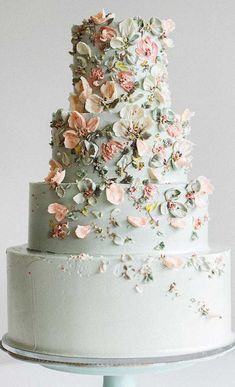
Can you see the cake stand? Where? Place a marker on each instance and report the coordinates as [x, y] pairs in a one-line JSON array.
[[116, 372]]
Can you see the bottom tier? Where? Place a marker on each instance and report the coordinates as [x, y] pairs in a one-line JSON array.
[[118, 307]]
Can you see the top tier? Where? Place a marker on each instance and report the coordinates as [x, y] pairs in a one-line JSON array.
[[120, 123]]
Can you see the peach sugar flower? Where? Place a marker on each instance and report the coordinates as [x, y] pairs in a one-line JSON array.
[[95, 103], [58, 210], [147, 48], [101, 17], [56, 174], [177, 222], [79, 128], [109, 149], [125, 78]]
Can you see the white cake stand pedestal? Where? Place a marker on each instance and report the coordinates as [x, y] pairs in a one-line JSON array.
[[115, 372]]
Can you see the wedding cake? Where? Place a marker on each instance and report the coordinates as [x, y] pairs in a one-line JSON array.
[[117, 263]]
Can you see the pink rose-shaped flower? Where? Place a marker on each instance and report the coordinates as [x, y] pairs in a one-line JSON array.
[[101, 17], [115, 194], [56, 174], [59, 210], [147, 48], [103, 37], [82, 231], [126, 80], [96, 75], [109, 149], [60, 230], [137, 221]]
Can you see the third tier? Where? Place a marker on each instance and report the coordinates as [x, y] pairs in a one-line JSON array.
[[79, 218]]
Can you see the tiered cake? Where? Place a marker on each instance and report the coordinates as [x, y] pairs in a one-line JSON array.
[[117, 263]]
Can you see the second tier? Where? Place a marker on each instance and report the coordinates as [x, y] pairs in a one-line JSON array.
[[76, 219]]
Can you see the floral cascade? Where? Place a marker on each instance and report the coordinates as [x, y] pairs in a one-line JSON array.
[[120, 141]]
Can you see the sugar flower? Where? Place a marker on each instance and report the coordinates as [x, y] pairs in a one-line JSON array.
[[96, 104], [59, 210], [115, 194], [96, 75], [126, 80], [110, 148], [86, 189], [134, 126], [104, 36], [60, 230], [56, 174], [80, 128], [137, 221], [82, 231], [101, 17], [128, 30], [181, 154], [147, 49]]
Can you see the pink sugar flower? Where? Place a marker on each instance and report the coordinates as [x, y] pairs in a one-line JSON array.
[[103, 37], [59, 210], [82, 231], [149, 190], [56, 174], [125, 79], [115, 193], [147, 48], [109, 149], [60, 230], [137, 221], [96, 75]]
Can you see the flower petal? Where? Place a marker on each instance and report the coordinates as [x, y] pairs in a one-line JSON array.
[[82, 231], [94, 104], [115, 193], [92, 124], [137, 221], [172, 263], [142, 147], [83, 49], [177, 222]]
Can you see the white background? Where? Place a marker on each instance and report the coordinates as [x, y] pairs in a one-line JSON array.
[[35, 81]]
